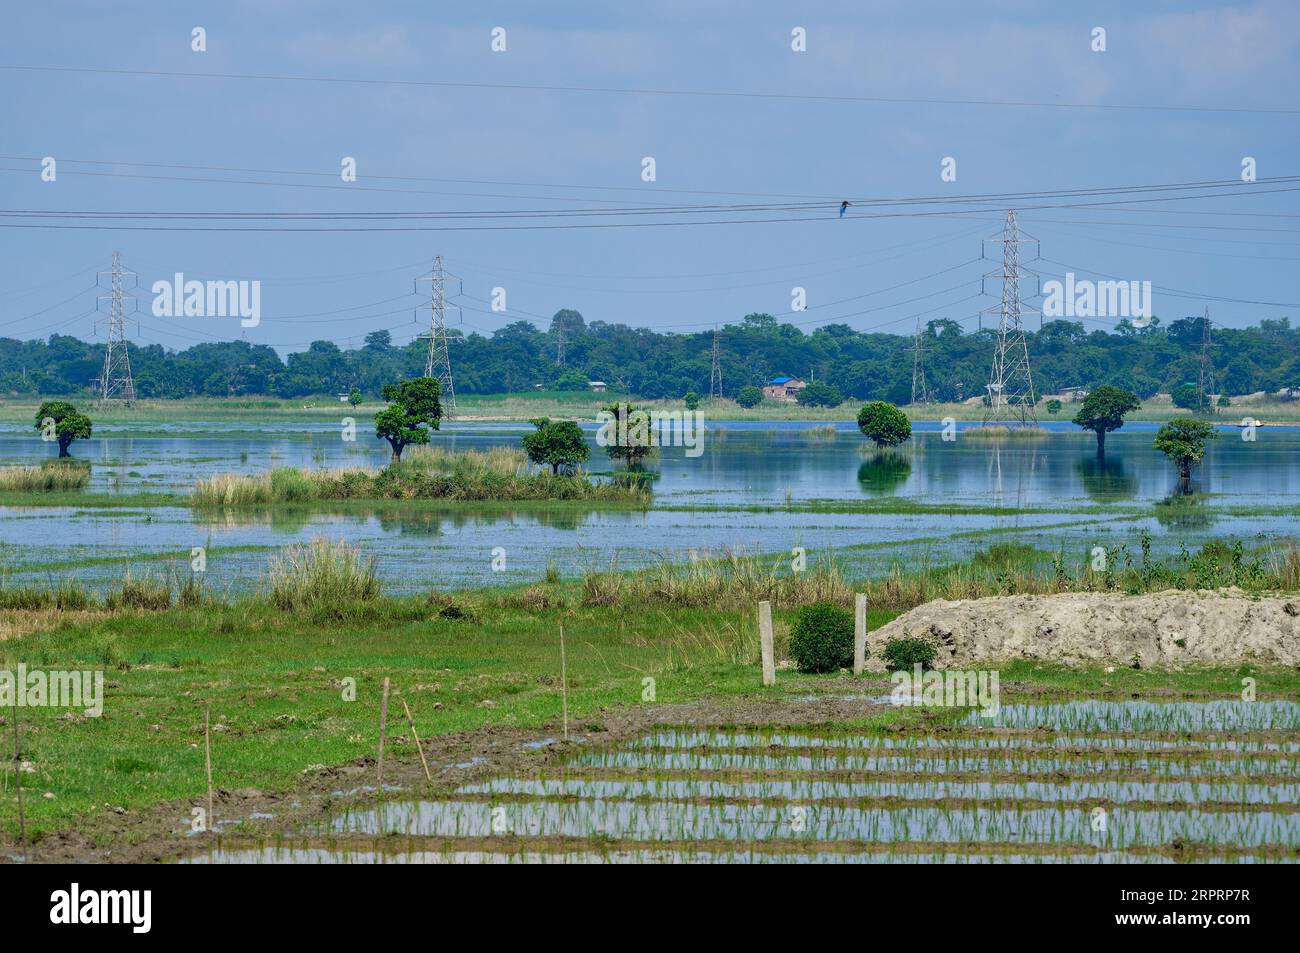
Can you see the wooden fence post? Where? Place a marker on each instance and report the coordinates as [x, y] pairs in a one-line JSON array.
[[859, 633], [765, 641]]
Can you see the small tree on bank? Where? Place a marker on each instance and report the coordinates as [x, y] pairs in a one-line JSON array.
[[60, 421], [414, 408], [749, 396], [884, 423], [818, 394], [1103, 410], [1183, 441], [556, 444]]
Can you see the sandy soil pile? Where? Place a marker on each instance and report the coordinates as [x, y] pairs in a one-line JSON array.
[[1159, 630]]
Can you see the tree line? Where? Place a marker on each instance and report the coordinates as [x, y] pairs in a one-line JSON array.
[[651, 364]]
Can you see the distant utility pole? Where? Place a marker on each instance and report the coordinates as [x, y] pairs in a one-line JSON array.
[[1011, 385], [116, 383], [715, 373], [438, 363], [559, 343], [1205, 381], [920, 393]]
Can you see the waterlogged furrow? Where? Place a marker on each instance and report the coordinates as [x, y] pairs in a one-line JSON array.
[[318, 855], [637, 821], [742, 741], [936, 762], [1100, 716], [1173, 792]]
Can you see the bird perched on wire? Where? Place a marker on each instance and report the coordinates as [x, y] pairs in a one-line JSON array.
[[844, 207]]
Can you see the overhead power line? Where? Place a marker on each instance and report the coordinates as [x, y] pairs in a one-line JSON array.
[[653, 91]]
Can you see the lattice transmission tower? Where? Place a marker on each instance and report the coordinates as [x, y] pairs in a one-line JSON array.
[[438, 362], [715, 372], [920, 392], [1205, 379], [1011, 383], [116, 383]]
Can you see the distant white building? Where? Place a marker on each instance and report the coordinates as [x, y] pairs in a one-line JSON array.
[[598, 386]]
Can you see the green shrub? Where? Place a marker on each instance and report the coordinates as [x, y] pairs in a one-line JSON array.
[[906, 653], [822, 638]]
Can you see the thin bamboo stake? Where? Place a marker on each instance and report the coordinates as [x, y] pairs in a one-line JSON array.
[[383, 729], [207, 757], [411, 721], [18, 782], [564, 684]]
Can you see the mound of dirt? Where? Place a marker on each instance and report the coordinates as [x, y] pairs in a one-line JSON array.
[[1158, 630]]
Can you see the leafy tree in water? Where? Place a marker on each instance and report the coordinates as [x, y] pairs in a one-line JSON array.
[[818, 394], [1103, 410], [1183, 441], [64, 421], [884, 423], [413, 410], [556, 444], [632, 439], [749, 396]]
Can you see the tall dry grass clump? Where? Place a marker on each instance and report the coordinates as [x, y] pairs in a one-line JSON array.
[[324, 573], [734, 582], [50, 477]]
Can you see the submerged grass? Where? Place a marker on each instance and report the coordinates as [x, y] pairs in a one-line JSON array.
[[52, 476], [322, 575], [424, 473]]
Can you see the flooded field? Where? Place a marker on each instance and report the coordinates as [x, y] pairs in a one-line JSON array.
[[1070, 782], [756, 489]]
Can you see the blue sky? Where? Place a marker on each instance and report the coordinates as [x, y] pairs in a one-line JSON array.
[[1180, 54]]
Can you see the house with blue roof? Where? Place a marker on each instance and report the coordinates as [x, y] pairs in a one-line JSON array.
[[783, 388]]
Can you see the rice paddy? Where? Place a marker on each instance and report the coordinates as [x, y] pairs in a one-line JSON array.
[[1064, 782]]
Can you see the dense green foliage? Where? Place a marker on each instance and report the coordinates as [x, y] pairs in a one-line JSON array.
[[884, 423], [1183, 441], [822, 638], [820, 394], [556, 444], [903, 654], [631, 444], [414, 409], [1103, 410], [66, 423], [749, 396], [515, 358]]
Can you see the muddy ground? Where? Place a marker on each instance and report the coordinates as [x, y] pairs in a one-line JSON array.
[[160, 833]]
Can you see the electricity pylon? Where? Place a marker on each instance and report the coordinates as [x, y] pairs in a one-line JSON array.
[[715, 372], [438, 362], [1011, 384], [920, 392], [116, 383], [1205, 380]]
